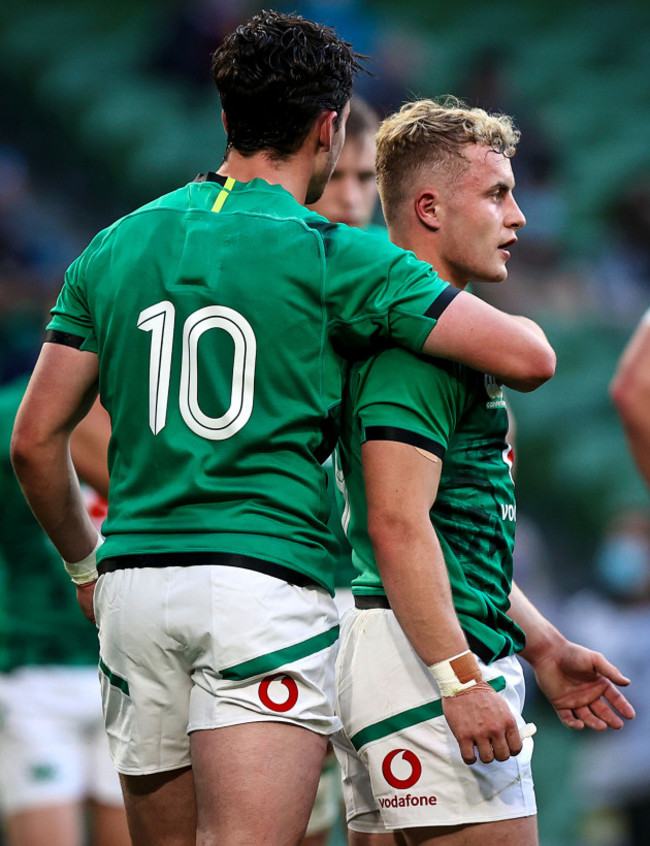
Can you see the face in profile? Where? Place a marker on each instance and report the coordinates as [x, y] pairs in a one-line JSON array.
[[351, 194], [478, 219]]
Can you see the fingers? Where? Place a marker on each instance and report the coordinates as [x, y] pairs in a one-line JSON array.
[[508, 744], [484, 726], [467, 751], [590, 717], [497, 744], [599, 715], [569, 720], [618, 701], [607, 669], [498, 747]]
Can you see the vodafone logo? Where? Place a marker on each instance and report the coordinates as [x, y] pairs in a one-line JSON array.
[[270, 693], [409, 758]]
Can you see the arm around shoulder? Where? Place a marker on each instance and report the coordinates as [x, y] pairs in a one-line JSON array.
[[513, 349]]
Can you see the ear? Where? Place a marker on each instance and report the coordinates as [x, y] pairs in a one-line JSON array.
[[224, 121], [327, 129], [426, 209]]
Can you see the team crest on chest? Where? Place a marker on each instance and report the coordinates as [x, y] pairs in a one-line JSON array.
[[494, 392]]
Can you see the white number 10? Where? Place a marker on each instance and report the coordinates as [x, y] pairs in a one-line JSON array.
[[159, 319]]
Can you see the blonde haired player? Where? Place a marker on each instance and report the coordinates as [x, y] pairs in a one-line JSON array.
[[427, 678]]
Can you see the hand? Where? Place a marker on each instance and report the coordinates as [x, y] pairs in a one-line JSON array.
[[85, 595], [479, 717], [579, 684]]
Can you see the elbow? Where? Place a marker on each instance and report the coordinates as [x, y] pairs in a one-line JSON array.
[[539, 368], [20, 452], [390, 531], [26, 449], [546, 364]]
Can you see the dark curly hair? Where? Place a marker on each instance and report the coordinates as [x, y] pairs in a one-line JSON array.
[[275, 74]]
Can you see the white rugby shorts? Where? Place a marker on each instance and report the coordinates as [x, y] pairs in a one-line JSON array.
[[202, 647], [53, 747], [401, 765]]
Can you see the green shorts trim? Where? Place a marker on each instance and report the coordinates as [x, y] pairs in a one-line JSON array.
[[403, 720], [114, 679], [272, 660]]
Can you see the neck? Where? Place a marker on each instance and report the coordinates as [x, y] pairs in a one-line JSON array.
[[292, 173], [422, 242]]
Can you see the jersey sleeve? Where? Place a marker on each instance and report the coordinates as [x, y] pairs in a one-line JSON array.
[[377, 293], [410, 399], [71, 323]]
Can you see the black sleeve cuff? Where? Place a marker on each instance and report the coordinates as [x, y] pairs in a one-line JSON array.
[[441, 302], [404, 436], [67, 339]]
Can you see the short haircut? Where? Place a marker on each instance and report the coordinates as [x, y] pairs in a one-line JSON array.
[[427, 134], [363, 119], [276, 74]]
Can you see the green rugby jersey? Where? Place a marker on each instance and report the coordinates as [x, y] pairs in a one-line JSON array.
[[461, 416], [223, 314], [40, 620]]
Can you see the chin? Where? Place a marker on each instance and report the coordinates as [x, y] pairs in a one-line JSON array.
[[499, 276], [491, 278]]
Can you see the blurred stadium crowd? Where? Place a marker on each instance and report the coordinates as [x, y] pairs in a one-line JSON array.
[[110, 104]]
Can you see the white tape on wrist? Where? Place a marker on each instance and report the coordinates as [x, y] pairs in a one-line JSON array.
[[445, 673], [84, 571]]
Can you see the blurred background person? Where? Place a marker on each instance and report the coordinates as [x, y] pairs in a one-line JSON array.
[[58, 786], [612, 773], [630, 390], [350, 197], [351, 194]]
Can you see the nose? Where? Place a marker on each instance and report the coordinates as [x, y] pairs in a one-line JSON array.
[[516, 218], [351, 192]]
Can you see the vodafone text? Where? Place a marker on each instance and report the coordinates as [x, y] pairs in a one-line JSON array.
[[408, 801], [508, 512]]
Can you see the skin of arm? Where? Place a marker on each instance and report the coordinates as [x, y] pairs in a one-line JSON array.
[[89, 448], [401, 484], [630, 392], [578, 682], [513, 349], [61, 391]]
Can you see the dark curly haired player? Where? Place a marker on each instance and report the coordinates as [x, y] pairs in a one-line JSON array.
[[216, 323]]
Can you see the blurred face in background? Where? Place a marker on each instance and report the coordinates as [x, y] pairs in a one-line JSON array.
[[351, 194]]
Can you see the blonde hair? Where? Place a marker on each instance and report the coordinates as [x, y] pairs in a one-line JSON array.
[[427, 134]]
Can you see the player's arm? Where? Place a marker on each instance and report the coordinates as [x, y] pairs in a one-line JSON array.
[[89, 448], [61, 391], [578, 682], [513, 349], [630, 392], [401, 484]]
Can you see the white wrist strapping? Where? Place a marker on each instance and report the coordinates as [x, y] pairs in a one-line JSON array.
[[84, 571], [446, 673]]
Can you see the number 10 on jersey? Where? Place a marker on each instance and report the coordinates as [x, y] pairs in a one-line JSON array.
[[159, 319]]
